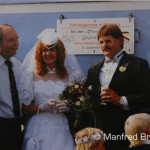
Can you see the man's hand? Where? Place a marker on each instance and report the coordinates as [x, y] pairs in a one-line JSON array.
[[108, 95]]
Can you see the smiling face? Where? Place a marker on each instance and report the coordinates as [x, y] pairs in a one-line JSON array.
[[111, 40], [110, 46], [10, 42], [50, 57]]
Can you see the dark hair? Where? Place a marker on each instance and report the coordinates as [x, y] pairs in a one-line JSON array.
[[110, 30], [61, 55], [1, 31]]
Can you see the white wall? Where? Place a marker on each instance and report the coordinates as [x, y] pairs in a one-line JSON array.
[[75, 7]]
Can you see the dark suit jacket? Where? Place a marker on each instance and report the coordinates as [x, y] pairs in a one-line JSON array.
[[133, 83], [141, 147]]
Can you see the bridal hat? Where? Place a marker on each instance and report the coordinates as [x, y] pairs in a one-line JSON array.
[[50, 38]]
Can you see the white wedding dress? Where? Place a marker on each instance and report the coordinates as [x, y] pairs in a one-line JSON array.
[[45, 131]]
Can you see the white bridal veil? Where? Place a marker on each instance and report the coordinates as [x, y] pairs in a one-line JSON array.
[[71, 63]]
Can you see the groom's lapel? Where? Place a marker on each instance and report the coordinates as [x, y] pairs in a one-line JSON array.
[[120, 71], [97, 71]]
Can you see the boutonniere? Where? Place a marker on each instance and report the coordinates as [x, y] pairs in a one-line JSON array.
[[122, 69]]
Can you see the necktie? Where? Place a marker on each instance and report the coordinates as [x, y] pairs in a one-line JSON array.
[[13, 89]]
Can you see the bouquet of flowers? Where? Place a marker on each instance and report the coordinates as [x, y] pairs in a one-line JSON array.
[[77, 97]]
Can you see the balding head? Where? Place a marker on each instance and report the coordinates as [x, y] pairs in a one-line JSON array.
[[8, 41], [1, 30]]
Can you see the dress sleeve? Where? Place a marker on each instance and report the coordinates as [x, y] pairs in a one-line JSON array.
[[26, 93]]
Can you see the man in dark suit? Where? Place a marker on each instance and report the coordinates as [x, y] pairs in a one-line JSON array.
[[122, 82]]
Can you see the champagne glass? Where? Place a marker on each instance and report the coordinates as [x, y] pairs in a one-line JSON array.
[[55, 101], [55, 110], [102, 102]]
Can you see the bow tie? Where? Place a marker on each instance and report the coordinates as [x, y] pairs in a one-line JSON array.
[[113, 60]]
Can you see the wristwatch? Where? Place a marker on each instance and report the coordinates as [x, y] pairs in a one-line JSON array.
[[121, 101]]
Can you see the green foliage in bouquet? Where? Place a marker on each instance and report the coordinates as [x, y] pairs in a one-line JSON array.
[[77, 97]]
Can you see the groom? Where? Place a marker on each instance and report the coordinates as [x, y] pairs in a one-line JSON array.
[[122, 82]]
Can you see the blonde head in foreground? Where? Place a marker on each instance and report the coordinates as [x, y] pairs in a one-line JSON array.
[[88, 138], [137, 125]]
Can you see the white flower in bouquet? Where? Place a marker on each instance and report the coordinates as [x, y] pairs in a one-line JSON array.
[[70, 91], [90, 87], [78, 103], [66, 101], [76, 86], [82, 98], [71, 84]]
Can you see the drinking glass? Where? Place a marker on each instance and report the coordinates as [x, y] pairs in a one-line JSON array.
[[55, 101], [102, 102], [55, 110]]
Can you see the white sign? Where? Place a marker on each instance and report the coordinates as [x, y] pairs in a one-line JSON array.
[[80, 35]]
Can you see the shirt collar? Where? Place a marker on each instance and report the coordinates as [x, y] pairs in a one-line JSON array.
[[117, 57], [2, 60]]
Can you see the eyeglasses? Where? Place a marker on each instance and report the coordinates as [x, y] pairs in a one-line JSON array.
[[108, 42]]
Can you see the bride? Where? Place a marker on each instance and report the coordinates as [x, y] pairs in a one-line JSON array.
[[46, 75]]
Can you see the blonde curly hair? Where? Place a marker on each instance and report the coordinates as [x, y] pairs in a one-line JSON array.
[[136, 125], [88, 132]]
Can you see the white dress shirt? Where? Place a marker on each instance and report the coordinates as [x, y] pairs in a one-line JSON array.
[[107, 71], [6, 104]]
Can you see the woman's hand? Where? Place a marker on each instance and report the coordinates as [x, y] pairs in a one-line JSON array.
[[62, 106], [48, 106]]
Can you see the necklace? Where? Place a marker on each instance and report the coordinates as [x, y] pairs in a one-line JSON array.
[[51, 71]]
